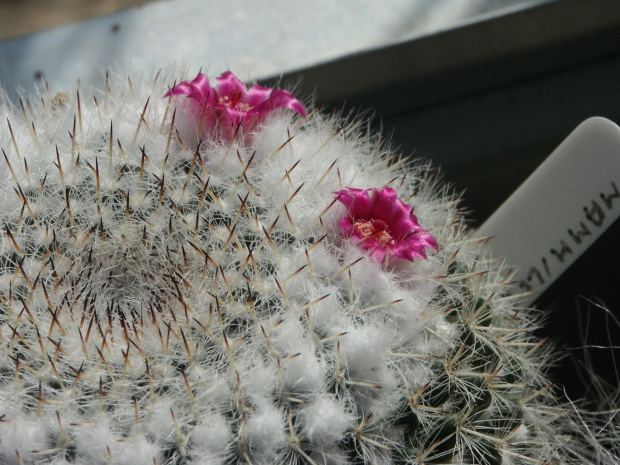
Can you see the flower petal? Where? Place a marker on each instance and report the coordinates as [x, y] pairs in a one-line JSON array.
[[283, 99], [257, 95], [357, 201], [229, 84], [199, 89]]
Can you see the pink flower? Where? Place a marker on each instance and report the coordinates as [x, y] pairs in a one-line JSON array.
[[378, 221], [230, 104]]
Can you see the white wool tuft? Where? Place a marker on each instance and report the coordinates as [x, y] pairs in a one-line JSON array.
[[24, 437], [325, 421], [210, 439], [265, 433]]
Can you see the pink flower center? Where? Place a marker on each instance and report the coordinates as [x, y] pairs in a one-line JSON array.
[[376, 230], [232, 101]]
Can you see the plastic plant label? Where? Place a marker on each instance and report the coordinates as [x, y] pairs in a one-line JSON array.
[[561, 209]]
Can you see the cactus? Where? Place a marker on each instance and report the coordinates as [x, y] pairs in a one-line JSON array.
[[171, 295]]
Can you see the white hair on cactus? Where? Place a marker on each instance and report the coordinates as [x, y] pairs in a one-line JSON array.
[[326, 420], [176, 289]]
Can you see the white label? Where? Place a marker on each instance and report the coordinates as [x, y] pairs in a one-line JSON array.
[[561, 209]]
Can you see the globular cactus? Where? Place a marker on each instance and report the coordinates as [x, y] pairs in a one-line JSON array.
[[178, 286]]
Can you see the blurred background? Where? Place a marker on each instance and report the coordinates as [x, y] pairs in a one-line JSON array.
[[21, 17], [258, 39], [486, 89]]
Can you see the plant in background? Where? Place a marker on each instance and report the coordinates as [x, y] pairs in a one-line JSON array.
[[165, 301]]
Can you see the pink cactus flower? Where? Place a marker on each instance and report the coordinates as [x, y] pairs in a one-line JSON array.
[[378, 221], [230, 106]]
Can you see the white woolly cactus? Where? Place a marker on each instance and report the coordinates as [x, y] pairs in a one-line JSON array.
[[212, 279]]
